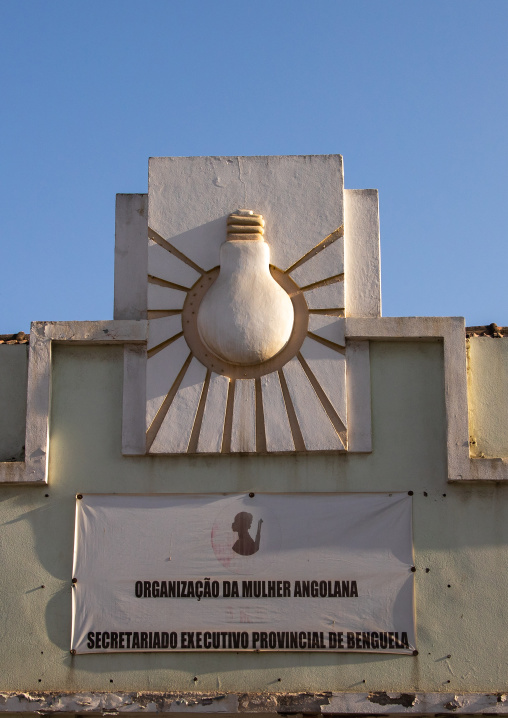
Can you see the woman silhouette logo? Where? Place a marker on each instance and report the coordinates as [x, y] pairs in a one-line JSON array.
[[236, 535], [245, 545]]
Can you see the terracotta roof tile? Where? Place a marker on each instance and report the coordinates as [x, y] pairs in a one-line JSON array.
[[487, 330], [19, 338]]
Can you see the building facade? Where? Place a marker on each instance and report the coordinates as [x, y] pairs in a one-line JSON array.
[[378, 444]]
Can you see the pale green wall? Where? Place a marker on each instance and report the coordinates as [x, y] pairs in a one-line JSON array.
[[488, 396], [13, 379], [460, 534]]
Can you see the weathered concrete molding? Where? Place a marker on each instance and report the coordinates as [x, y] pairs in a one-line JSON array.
[[34, 470], [362, 253], [325, 703], [131, 261], [451, 330], [359, 332]]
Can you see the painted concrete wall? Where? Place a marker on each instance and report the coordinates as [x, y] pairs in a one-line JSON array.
[[460, 535], [13, 381], [488, 396]]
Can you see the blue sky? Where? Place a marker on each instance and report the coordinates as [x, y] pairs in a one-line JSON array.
[[412, 94]]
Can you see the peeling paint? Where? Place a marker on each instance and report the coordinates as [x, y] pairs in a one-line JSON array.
[[452, 705], [383, 699], [289, 703], [374, 703], [257, 703]]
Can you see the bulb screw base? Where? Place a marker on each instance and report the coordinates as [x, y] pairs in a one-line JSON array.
[[245, 224]]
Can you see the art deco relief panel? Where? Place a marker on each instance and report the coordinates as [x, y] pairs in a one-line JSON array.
[[245, 302]]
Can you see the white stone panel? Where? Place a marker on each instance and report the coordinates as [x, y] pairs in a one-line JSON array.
[[165, 265], [130, 256], [362, 253], [329, 368], [163, 328], [174, 434], [328, 327], [327, 263], [243, 435], [277, 428], [212, 426], [331, 296], [317, 429], [300, 198], [161, 371], [165, 297]]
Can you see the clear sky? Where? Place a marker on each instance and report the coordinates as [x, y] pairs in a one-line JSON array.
[[412, 94]]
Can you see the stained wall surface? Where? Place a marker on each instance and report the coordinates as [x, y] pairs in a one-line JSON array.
[[488, 396], [460, 535], [13, 382]]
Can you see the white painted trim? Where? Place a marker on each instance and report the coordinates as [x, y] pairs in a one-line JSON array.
[[115, 331], [451, 330], [34, 470], [250, 704], [37, 406]]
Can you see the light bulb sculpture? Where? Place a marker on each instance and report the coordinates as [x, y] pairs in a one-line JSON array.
[[245, 317]]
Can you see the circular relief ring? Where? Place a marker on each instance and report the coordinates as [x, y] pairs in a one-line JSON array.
[[190, 309]]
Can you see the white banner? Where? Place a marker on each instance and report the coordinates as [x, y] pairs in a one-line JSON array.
[[277, 572]]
